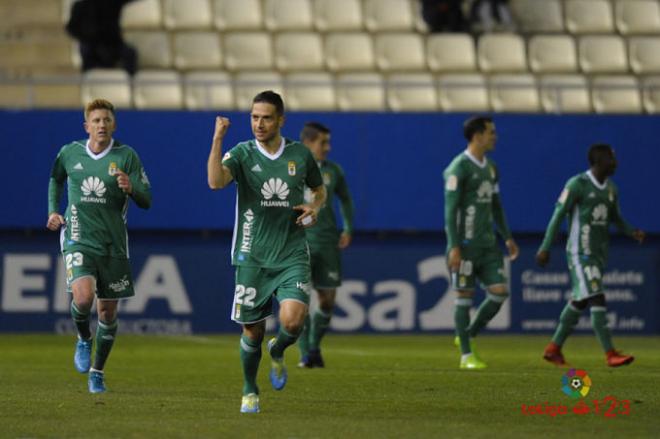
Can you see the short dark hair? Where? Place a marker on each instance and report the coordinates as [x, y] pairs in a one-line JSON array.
[[311, 131], [474, 125], [596, 151], [270, 97]]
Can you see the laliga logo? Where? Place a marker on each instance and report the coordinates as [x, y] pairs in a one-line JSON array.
[[576, 383]]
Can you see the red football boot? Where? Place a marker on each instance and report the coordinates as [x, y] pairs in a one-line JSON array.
[[616, 358], [553, 354]]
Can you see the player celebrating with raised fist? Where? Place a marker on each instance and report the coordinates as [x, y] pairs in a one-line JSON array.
[[101, 175], [269, 248]]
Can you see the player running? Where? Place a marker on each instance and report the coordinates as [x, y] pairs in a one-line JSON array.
[[101, 175]]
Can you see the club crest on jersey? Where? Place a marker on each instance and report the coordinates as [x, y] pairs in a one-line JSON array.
[[112, 169], [326, 178], [292, 168]]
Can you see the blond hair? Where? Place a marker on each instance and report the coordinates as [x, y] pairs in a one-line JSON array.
[[99, 104]]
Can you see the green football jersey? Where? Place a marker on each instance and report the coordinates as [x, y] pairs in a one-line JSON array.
[[325, 231], [472, 203], [590, 208], [268, 187], [96, 207]]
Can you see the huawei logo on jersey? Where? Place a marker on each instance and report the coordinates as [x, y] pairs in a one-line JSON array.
[[275, 187], [599, 215], [93, 190]]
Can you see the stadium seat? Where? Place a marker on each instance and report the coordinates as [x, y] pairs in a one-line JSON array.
[[15, 95], [615, 94], [651, 94], [230, 15], [514, 93], [419, 23], [644, 54], [538, 15], [189, 14], [400, 52], [153, 48], [27, 54], [411, 92], [388, 15], [463, 92], [111, 84], [209, 90], [552, 53], [349, 51], [248, 51], [337, 15], [360, 92], [57, 92], [143, 14], [564, 94], [637, 16], [588, 16], [196, 50], [157, 89], [31, 13], [501, 53], [310, 92], [299, 51], [287, 15], [248, 84], [602, 54], [451, 53]]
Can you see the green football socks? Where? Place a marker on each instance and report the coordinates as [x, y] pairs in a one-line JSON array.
[[567, 320], [487, 310], [462, 321], [250, 357], [599, 323], [283, 341], [81, 320], [105, 338], [320, 324], [303, 339]]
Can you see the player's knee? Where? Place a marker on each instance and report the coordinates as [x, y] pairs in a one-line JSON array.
[[597, 301]]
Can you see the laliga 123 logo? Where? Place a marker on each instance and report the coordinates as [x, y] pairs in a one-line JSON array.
[[576, 383]]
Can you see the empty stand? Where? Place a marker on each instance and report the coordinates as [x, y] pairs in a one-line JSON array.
[[514, 93], [412, 92], [589, 16], [360, 92], [538, 15], [349, 51], [153, 48], [248, 50], [188, 14], [501, 53], [299, 51], [111, 84], [463, 92], [208, 90], [400, 52], [637, 16], [552, 53], [644, 54], [602, 54], [310, 91], [248, 84], [337, 15], [451, 53], [388, 15], [142, 14], [230, 15], [157, 89], [287, 15], [196, 50], [615, 94], [564, 94], [651, 94]]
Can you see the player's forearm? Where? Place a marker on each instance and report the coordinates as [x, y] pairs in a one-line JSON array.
[[141, 196], [217, 178], [320, 195], [451, 226], [346, 207], [54, 195], [553, 227], [500, 219]]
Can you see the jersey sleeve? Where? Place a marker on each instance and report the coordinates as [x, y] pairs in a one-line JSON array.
[[56, 183], [618, 219], [313, 178], [498, 212], [232, 160], [567, 199], [454, 181], [139, 180], [345, 201]]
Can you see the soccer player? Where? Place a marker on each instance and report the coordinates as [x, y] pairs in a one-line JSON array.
[[325, 243], [269, 248], [472, 209], [590, 201], [101, 175]]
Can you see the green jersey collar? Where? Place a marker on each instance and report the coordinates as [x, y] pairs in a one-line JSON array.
[[595, 182], [102, 154], [474, 160], [277, 154]]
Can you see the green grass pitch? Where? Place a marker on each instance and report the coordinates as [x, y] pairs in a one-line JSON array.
[[373, 386]]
